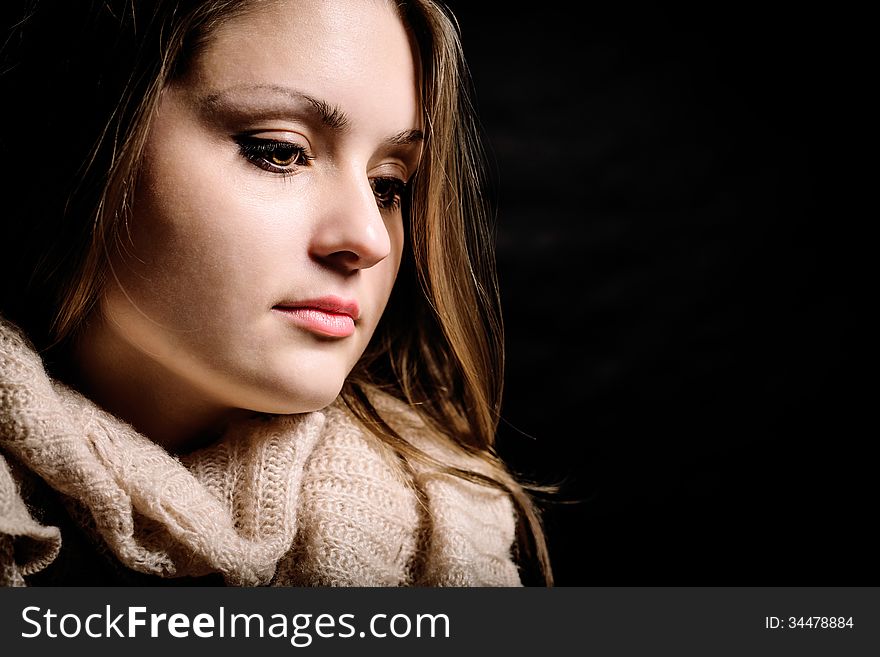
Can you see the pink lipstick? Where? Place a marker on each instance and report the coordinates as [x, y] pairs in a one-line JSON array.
[[331, 316]]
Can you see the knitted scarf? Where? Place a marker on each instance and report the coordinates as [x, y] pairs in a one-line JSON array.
[[233, 507]]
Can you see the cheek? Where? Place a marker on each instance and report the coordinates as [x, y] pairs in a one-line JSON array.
[[198, 244], [397, 234], [171, 270], [392, 262]]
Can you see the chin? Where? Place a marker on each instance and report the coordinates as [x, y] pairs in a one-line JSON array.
[[297, 401]]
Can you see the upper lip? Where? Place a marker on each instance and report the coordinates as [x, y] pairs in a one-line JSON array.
[[329, 304]]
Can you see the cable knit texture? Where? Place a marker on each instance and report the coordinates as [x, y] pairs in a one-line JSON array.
[[309, 499]]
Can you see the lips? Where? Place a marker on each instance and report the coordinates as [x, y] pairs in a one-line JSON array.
[[328, 304], [330, 316]]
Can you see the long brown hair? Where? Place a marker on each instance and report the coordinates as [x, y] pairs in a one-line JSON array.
[[440, 343]]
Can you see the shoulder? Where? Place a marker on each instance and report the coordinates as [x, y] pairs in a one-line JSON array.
[[26, 546], [371, 516]]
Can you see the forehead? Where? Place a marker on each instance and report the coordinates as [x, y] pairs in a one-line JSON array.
[[354, 54]]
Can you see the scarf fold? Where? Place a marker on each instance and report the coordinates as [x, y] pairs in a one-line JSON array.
[[228, 508]]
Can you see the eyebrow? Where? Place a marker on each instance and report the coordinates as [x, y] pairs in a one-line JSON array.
[[328, 115], [406, 137]]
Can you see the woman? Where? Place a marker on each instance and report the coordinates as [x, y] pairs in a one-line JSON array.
[[251, 327]]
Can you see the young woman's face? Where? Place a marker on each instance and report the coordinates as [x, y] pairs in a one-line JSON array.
[[266, 232]]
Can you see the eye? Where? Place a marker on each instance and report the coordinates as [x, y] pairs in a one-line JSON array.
[[283, 157], [388, 192]]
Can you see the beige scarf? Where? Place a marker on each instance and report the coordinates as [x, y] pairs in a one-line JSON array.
[[235, 507]]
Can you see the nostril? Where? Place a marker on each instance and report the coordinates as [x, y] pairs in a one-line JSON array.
[[343, 261]]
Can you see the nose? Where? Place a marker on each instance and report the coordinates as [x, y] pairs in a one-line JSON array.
[[351, 233]]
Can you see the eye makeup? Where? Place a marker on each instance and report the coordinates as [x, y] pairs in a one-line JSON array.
[[274, 155], [388, 192], [239, 109]]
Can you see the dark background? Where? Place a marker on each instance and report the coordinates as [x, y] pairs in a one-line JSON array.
[[677, 265]]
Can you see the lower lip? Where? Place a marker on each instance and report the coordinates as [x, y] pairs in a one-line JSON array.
[[333, 325]]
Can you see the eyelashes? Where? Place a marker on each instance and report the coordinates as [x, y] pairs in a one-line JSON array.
[[284, 157], [388, 192], [287, 158]]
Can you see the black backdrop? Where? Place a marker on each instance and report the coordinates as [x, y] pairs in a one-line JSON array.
[[676, 273]]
